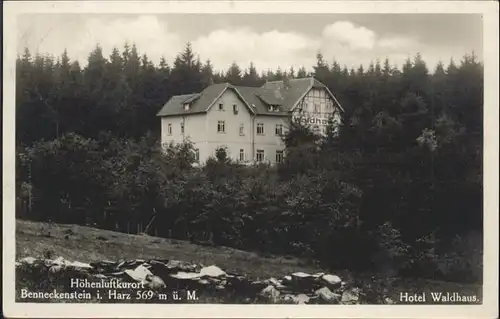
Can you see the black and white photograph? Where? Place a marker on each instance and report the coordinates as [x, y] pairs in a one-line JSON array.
[[323, 158]]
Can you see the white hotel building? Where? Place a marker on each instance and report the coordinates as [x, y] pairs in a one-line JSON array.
[[247, 121]]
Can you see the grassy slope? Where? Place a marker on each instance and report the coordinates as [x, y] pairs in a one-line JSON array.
[[90, 244]]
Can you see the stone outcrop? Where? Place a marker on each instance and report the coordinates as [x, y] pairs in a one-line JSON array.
[[159, 275]]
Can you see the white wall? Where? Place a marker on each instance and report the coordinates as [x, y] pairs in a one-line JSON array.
[[269, 142], [194, 130], [201, 129], [230, 138]]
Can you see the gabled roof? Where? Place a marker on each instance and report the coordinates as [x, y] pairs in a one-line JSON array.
[[285, 94], [175, 106]]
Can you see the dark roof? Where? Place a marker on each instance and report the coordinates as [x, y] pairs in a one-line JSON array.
[[284, 94], [175, 106]]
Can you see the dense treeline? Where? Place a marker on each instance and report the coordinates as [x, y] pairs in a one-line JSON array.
[[398, 189]]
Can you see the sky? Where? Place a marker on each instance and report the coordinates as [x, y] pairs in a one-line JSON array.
[[268, 40]]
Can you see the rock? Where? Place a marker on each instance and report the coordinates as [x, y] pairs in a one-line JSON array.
[[28, 260], [236, 279], [60, 261], [173, 264], [80, 265], [105, 265], [300, 275], [288, 298], [331, 280], [223, 282], [204, 282], [270, 293], [75, 264], [116, 273], [275, 282], [138, 274], [181, 266], [258, 285], [301, 299], [186, 275], [350, 296], [160, 269], [56, 269], [302, 281], [155, 282], [297, 288], [129, 264], [287, 279], [212, 271], [327, 296]]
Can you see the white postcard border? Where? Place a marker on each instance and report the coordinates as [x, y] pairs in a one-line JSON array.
[[489, 308]]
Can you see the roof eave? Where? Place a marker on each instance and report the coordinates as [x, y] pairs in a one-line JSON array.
[[303, 95], [182, 114], [334, 98], [310, 88]]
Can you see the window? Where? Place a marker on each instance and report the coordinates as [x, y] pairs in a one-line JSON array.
[[279, 129], [279, 156], [274, 108], [221, 107], [242, 155], [182, 128], [260, 128], [260, 155], [221, 127], [235, 109], [197, 155], [242, 129], [169, 129], [186, 107]]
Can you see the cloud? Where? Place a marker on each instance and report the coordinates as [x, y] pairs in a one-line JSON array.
[[149, 35], [348, 43], [267, 50], [398, 43], [346, 33], [79, 37]]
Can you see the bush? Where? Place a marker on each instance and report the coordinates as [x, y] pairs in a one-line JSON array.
[[316, 204]]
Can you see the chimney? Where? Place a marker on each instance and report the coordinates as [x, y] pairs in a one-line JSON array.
[[286, 82]]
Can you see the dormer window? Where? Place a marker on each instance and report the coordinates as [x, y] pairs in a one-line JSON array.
[[187, 106], [274, 108]]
